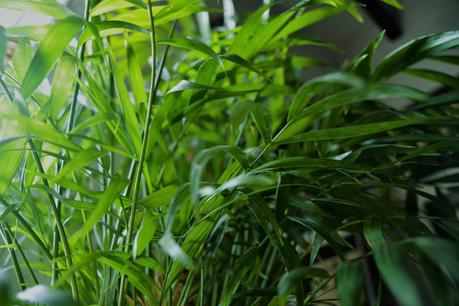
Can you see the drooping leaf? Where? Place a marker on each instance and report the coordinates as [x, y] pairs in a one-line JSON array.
[[414, 51]]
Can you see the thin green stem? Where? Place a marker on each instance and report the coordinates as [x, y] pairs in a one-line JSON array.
[[29, 230], [21, 252], [55, 212], [17, 268], [69, 128], [146, 134]]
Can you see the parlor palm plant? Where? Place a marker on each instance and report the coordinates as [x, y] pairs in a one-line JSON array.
[[142, 164]]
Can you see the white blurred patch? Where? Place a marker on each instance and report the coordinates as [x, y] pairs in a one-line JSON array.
[[12, 18]]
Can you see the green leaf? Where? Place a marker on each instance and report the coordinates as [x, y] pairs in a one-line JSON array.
[[135, 274], [350, 283], [43, 131], [112, 192], [106, 6], [190, 44], [51, 48], [135, 77], [292, 278], [63, 80], [436, 76], [159, 198], [203, 158], [171, 248], [241, 62], [6, 293], [309, 18], [144, 235], [414, 51], [394, 3], [392, 266], [351, 131], [77, 162], [361, 64], [442, 252], [242, 267], [44, 7], [110, 27]]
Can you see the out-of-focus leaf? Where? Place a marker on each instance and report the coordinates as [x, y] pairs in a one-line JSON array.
[[110, 27], [309, 18], [394, 3], [292, 278], [44, 7], [135, 77], [171, 248], [43, 131], [62, 84], [392, 266], [6, 293], [51, 48], [349, 278], [436, 76], [190, 44], [441, 252], [112, 5]]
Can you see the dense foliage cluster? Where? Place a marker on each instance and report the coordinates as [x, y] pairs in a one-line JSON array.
[[148, 159]]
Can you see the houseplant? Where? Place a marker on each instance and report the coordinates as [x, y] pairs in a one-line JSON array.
[[171, 166]]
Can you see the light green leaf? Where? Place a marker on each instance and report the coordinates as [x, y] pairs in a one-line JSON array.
[[63, 80], [44, 7], [77, 162], [112, 192], [191, 44], [144, 235], [171, 248], [159, 198], [394, 3], [43, 131], [51, 48]]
